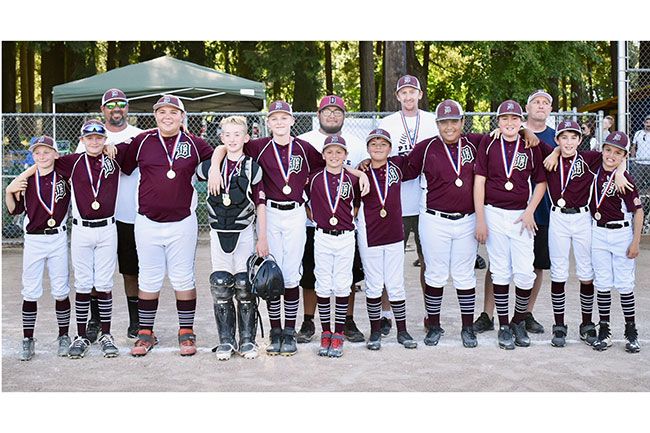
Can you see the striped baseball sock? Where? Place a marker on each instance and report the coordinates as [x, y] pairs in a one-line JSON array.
[[586, 301], [604, 300], [373, 305], [501, 302], [521, 304], [466, 301], [627, 304], [291, 302], [399, 311], [105, 303], [432, 303], [186, 310], [147, 312], [558, 299], [29, 318], [273, 306], [62, 310], [81, 307], [340, 310], [324, 312]]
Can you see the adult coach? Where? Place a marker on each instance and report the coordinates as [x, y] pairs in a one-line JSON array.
[[331, 116], [115, 108], [640, 154], [165, 226], [407, 127]]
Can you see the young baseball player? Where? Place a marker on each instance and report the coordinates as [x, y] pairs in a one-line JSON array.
[[232, 216], [94, 179], [504, 216], [286, 162], [334, 199], [616, 234], [45, 203], [166, 225]]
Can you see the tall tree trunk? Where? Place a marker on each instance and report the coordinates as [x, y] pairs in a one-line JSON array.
[[578, 94], [367, 76], [26, 77], [111, 55], [227, 58], [9, 77], [644, 63], [613, 58], [470, 106], [414, 67], [244, 67], [395, 64], [380, 82], [196, 52], [305, 91], [52, 71], [329, 82], [125, 49], [150, 50]]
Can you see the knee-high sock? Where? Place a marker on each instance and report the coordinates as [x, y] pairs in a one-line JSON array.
[[147, 309], [62, 309], [399, 311], [324, 312], [340, 309], [432, 303], [586, 301], [558, 300], [186, 311], [521, 304], [81, 307], [627, 304], [501, 302], [29, 318], [105, 303], [291, 302], [466, 301], [604, 305], [373, 305]]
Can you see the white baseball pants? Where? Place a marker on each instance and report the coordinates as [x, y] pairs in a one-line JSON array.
[[94, 257], [37, 251], [333, 258], [564, 231]]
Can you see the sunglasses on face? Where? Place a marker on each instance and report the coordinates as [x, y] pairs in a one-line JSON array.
[[94, 128], [113, 104]]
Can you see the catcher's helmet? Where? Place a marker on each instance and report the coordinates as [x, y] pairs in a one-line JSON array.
[[265, 277]]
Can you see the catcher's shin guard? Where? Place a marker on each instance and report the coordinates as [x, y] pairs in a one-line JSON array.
[[246, 310], [222, 287]]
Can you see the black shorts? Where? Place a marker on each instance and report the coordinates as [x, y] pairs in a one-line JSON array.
[[308, 279], [410, 224], [127, 254], [542, 257]]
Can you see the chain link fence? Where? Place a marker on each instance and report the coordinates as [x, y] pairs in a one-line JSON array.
[[18, 130]]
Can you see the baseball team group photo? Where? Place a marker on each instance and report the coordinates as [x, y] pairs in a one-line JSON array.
[[193, 216]]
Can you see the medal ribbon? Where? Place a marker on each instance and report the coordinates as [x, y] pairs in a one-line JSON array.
[[508, 168], [49, 209], [285, 174], [602, 195], [90, 176], [382, 197], [412, 139], [170, 159], [338, 192], [224, 172], [455, 165], [564, 184]]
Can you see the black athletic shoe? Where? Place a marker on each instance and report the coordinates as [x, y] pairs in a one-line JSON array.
[[306, 333], [374, 342], [521, 336], [386, 324], [505, 338], [405, 339], [632, 337], [276, 341], [559, 336], [532, 325], [479, 263], [433, 336], [588, 333], [288, 347], [92, 330], [352, 333], [483, 323], [468, 337], [604, 339], [132, 331]]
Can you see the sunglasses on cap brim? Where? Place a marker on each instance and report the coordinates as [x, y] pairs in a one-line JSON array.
[[95, 128]]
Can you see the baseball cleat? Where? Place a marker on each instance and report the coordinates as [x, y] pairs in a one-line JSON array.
[[132, 331], [604, 339], [468, 337], [336, 346], [145, 342], [588, 333], [79, 347], [187, 342], [93, 329], [374, 341], [405, 339], [248, 350], [483, 323], [224, 351], [352, 333], [28, 350], [325, 341], [532, 325], [505, 338], [386, 324], [559, 336], [632, 337], [433, 336], [288, 347], [276, 341], [64, 343], [521, 336], [306, 333], [107, 344]]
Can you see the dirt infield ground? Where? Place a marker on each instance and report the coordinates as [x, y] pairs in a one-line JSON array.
[[446, 367]]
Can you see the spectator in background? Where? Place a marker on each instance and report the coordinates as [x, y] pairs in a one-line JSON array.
[[640, 155], [608, 122], [588, 142]]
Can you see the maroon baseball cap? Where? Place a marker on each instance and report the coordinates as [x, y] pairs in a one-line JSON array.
[[93, 127], [618, 139], [171, 100], [280, 107], [449, 109], [331, 101], [568, 125], [113, 95], [540, 92], [510, 107], [379, 133], [43, 140], [332, 140], [408, 81]]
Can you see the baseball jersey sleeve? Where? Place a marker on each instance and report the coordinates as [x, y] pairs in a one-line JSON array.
[[538, 175], [546, 149], [409, 171], [20, 206], [481, 157], [129, 152], [314, 157], [631, 198], [65, 163], [593, 158], [202, 147], [357, 191], [259, 196], [475, 139]]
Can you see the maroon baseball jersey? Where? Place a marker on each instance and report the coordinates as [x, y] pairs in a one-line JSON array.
[[438, 163], [387, 230], [614, 205], [527, 166], [36, 215], [577, 180], [105, 173], [160, 198], [304, 160], [347, 185]]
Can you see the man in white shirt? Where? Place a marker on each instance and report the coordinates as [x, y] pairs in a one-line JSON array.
[[115, 108], [331, 116], [640, 156]]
